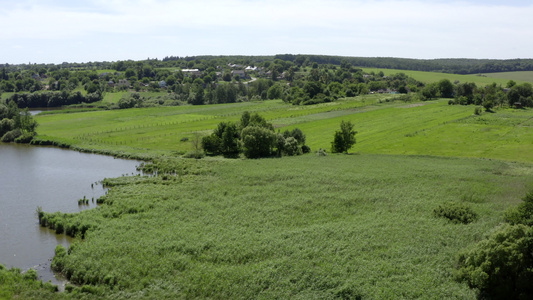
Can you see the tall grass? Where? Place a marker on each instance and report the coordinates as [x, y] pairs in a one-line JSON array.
[[336, 226]]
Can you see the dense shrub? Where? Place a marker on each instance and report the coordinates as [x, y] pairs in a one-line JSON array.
[[258, 141], [6, 125], [58, 262], [10, 136], [211, 144], [501, 267], [456, 212], [291, 147], [523, 213], [306, 149], [25, 138]]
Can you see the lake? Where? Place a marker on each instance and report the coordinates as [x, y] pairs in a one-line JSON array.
[[53, 179]]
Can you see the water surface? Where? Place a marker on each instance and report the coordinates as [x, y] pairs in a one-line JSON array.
[[53, 179]]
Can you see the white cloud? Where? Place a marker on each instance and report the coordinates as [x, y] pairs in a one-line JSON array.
[[408, 28]]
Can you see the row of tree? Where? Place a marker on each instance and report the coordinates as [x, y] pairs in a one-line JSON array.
[[53, 99], [489, 96]]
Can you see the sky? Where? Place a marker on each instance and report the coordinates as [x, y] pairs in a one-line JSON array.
[[56, 31]]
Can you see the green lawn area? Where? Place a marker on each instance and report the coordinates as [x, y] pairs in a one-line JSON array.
[[429, 77], [425, 128]]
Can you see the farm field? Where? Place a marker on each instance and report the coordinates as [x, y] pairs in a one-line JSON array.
[[429, 77], [526, 76], [425, 128]]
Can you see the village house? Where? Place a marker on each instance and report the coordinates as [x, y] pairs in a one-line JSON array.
[[239, 73], [191, 72]]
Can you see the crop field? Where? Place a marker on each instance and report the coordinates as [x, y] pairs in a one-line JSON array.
[[425, 128], [429, 77], [526, 76]]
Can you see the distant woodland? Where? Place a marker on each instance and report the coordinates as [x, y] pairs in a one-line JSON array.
[[296, 79]]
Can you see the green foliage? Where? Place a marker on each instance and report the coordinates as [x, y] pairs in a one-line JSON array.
[[229, 145], [291, 147], [456, 212], [17, 285], [258, 141], [523, 213], [501, 266], [280, 228], [344, 139], [211, 144], [10, 136]]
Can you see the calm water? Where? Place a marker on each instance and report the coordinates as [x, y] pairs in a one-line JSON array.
[[51, 178]]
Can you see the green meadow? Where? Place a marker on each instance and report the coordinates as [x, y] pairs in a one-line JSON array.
[[356, 226], [385, 127], [479, 80], [526, 76]]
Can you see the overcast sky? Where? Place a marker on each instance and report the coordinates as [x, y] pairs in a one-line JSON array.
[[55, 31]]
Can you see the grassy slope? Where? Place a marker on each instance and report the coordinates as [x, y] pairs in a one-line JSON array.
[[429, 77], [429, 128], [305, 227], [526, 76]]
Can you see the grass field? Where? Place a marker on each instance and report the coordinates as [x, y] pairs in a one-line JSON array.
[[358, 226], [425, 128], [526, 76], [429, 77]]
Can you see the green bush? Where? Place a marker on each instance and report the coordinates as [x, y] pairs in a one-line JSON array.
[[258, 141], [211, 144], [306, 149], [456, 212], [501, 267], [58, 262], [31, 274], [523, 213], [291, 147], [194, 154], [10, 136]]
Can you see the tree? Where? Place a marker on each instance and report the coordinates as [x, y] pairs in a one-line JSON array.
[[344, 139], [501, 267], [445, 88], [230, 141], [275, 92], [258, 141]]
